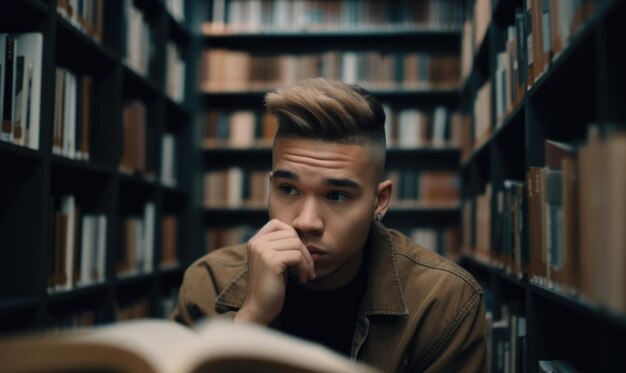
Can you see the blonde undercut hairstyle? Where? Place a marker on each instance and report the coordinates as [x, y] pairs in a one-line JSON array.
[[329, 110]]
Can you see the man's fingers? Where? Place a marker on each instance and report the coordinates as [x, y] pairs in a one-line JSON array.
[[294, 259], [276, 235], [273, 225]]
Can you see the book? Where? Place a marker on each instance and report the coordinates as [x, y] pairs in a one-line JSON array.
[[8, 45], [556, 366], [164, 346], [31, 49]]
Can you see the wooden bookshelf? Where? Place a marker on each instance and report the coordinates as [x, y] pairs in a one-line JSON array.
[[581, 86], [33, 176]]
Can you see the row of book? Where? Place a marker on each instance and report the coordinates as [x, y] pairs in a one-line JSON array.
[[417, 128], [578, 235], [507, 344], [238, 129], [234, 16], [443, 240], [85, 15], [139, 39], [79, 240], [174, 72], [509, 74], [78, 248], [404, 128], [506, 340], [135, 252], [549, 27], [235, 187], [573, 241], [73, 100], [20, 88], [233, 70], [424, 188], [540, 32]]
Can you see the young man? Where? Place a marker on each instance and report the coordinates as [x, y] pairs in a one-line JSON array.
[[324, 268]]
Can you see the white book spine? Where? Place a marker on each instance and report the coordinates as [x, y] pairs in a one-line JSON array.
[[349, 67], [440, 119], [68, 203], [101, 247], [67, 142], [242, 128], [148, 239], [72, 117], [234, 187], [87, 250]]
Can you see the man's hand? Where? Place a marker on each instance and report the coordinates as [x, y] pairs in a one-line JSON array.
[[274, 251]]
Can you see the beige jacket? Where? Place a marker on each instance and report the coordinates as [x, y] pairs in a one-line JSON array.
[[420, 312]]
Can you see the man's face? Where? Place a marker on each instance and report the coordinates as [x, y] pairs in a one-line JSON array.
[[326, 191]]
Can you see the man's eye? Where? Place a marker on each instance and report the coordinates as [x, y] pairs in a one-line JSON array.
[[337, 196], [288, 190]]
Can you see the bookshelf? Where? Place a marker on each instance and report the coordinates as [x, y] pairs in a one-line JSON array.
[[543, 270], [256, 41], [50, 171]]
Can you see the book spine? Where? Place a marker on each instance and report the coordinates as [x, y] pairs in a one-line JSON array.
[[6, 132]]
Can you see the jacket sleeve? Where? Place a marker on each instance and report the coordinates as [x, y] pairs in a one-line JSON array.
[[466, 348], [196, 298]]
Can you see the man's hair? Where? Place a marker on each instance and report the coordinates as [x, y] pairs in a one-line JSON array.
[[327, 110]]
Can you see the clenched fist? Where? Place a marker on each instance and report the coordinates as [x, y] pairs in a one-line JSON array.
[[273, 252]]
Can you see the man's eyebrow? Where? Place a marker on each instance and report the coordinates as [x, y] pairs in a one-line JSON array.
[[342, 183], [284, 174]]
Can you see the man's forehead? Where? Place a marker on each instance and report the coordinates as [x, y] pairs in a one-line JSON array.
[[320, 150], [316, 153]]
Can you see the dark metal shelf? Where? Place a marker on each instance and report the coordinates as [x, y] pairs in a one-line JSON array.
[[136, 85], [17, 16], [572, 303], [94, 55], [362, 39], [17, 304], [79, 292], [11, 149], [82, 166]]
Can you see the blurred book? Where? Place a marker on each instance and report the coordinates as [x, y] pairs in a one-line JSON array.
[[165, 346]]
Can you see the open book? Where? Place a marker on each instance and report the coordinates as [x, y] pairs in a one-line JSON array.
[[164, 346]]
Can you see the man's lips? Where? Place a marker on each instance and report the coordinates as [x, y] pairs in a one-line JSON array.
[[316, 253]]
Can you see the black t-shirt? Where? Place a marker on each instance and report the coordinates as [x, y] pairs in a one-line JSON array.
[[325, 317]]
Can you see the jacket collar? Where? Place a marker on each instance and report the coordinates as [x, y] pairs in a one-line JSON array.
[[383, 296]]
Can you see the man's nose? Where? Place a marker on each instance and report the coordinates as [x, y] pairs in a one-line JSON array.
[[309, 219]]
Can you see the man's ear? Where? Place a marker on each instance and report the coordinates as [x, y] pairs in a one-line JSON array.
[[383, 198]]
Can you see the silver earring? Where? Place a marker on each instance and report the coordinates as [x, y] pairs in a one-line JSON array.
[[379, 216]]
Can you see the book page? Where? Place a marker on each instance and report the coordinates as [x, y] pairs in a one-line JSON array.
[[253, 348], [133, 346], [165, 346]]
